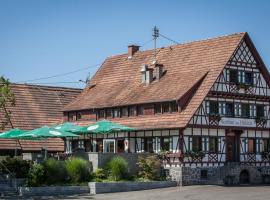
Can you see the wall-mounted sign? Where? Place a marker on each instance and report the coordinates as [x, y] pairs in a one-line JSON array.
[[226, 121]]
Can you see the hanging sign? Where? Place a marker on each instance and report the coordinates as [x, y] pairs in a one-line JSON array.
[[226, 121]]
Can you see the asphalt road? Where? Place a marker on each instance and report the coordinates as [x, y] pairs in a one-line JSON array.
[[180, 193]]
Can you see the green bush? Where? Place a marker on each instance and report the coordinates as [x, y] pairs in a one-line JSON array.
[[36, 176], [100, 174], [149, 167], [17, 166], [54, 171], [118, 168], [78, 170]]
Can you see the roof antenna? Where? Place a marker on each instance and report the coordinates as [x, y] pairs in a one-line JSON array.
[[155, 36]]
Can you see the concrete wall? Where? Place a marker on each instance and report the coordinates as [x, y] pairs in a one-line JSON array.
[[99, 160], [98, 188], [53, 190]]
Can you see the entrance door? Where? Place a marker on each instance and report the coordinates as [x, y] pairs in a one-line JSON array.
[[120, 146], [232, 147]]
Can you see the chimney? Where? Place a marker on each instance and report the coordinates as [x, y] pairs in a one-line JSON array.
[[158, 71], [132, 49]]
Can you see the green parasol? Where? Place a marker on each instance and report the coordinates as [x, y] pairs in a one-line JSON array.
[[46, 132], [106, 126], [11, 133], [69, 127]]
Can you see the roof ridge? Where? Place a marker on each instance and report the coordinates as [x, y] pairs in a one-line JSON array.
[[46, 86], [184, 43]]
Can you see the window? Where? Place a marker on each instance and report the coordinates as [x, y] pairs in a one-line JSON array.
[[78, 116], [213, 144], [265, 145], [260, 110], [253, 110], [237, 109], [174, 106], [116, 112], [249, 78], [165, 143], [101, 114], [213, 108], [158, 108], [229, 109], [234, 76], [251, 145], [165, 107], [148, 145], [71, 117], [132, 111], [109, 113], [124, 112], [140, 110], [197, 143], [245, 110]]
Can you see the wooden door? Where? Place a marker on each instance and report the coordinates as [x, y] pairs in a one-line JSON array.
[[232, 147]]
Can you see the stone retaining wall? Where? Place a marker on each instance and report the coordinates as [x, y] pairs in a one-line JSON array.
[[53, 190], [98, 188], [215, 175]]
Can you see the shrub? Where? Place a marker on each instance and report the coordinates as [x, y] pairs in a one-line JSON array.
[[78, 170], [54, 171], [149, 167], [100, 174], [17, 166], [118, 168], [36, 176]]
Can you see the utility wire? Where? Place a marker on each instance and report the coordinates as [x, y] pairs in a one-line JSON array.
[[169, 39], [58, 75]]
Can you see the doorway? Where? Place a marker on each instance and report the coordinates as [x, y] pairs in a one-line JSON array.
[[232, 146], [109, 146], [244, 177], [120, 146]]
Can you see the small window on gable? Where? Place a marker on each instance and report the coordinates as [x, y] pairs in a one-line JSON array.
[[249, 78], [233, 76]]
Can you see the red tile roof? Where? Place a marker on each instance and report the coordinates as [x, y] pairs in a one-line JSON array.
[[37, 106], [118, 81]]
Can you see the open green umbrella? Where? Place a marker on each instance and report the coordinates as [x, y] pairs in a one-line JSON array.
[[69, 127], [11, 133], [106, 126], [46, 132]]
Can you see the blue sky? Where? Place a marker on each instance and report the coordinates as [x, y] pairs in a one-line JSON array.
[[46, 38]]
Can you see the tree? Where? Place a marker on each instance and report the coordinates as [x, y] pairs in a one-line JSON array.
[[7, 100]]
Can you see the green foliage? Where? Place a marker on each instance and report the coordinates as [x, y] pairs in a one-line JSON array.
[[54, 171], [36, 176], [7, 99], [78, 170], [100, 174], [149, 167], [118, 168], [16, 166]]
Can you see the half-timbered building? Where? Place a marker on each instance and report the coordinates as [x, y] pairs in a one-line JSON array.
[[206, 103]]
